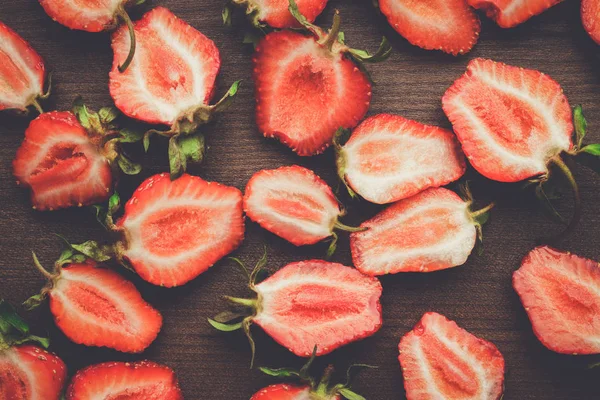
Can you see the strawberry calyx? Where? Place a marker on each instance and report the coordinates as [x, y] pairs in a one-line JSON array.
[[322, 389], [342, 227], [14, 330], [479, 216], [35, 100], [341, 137], [252, 12]]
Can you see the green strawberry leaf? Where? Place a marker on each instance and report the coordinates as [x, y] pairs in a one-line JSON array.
[[224, 327], [127, 166], [580, 125], [226, 14], [9, 319], [93, 250], [593, 149], [383, 53], [192, 147], [108, 114], [130, 136], [349, 394], [177, 159], [279, 372]]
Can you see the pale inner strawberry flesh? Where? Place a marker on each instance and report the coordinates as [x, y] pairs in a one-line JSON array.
[[295, 205]]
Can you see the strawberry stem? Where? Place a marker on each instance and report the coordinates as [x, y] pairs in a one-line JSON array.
[[332, 37], [36, 104], [122, 14], [343, 227], [562, 166], [244, 302], [40, 268], [482, 211]]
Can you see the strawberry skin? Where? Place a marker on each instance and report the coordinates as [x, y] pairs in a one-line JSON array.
[[140, 380], [179, 65], [510, 121], [427, 232], [305, 92], [283, 391], [90, 16], [590, 16], [318, 303], [275, 13], [560, 292], [30, 373], [293, 203], [389, 158], [510, 13], [176, 230], [60, 165], [22, 71], [98, 307], [440, 360], [446, 25]]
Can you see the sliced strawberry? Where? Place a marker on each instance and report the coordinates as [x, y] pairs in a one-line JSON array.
[[85, 15], [307, 87], [293, 203], [22, 72], [172, 75], [590, 16], [389, 158], [446, 25], [60, 164], [95, 306], [428, 232], [176, 230], [510, 121], [125, 380], [510, 13], [561, 294], [283, 391], [304, 302], [276, 14], [440, 360]]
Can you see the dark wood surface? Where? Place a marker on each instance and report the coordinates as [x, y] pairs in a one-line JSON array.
[[478, 295]]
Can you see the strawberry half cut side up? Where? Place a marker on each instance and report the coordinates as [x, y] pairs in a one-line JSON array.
[[440, 360], [513, 123], [22, 73], [308, 86], [561, 294], [389, 158], [428, 232], [307, 304], [94, 16], [447, 25], [27, 371], [308, 387], [179, 66], [295, 204], [274, 13], [510, 13], [70, 158], [95, 306], [145, 380], [590, 16]]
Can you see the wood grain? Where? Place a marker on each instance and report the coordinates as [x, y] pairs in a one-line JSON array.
[[478, 295]]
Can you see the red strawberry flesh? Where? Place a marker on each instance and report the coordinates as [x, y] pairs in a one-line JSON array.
[[86, 15], [282, 391], [510, 13], [590, 16], [275, 13]]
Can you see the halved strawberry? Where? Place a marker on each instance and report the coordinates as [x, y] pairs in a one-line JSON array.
[[440, 360], [428, 232], [22, 73], [284, 391], [510, 13], [561, 294], [311, 303], [175, 230], [27, 372], [275, 13], [295, 204], [447, 25], [95, 306], [308, 86], [125, 380], [590, 16], [389, 158], [94, 16]]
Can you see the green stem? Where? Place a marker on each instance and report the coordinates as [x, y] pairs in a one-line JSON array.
[[482, 211], [244, 302], [323, 386], [559, 162], [36, 104], [40, 268], [122, 14], [332, 37], [342, 227]]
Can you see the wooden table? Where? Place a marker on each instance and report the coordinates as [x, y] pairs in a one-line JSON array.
[[478, 295]]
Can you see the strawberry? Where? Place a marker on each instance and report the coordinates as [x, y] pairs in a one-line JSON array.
[[179, 65], [27, 371], [274, 13], [590, 16], [310, 303], [65, 158], [308, 86], [94, 16], [389, 158], [22, 73], [510, 13], [295, 204], [561, 294], [513, 123], [430, 231], [447, 25], [95, 306], [125, 380], [440, 360]]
